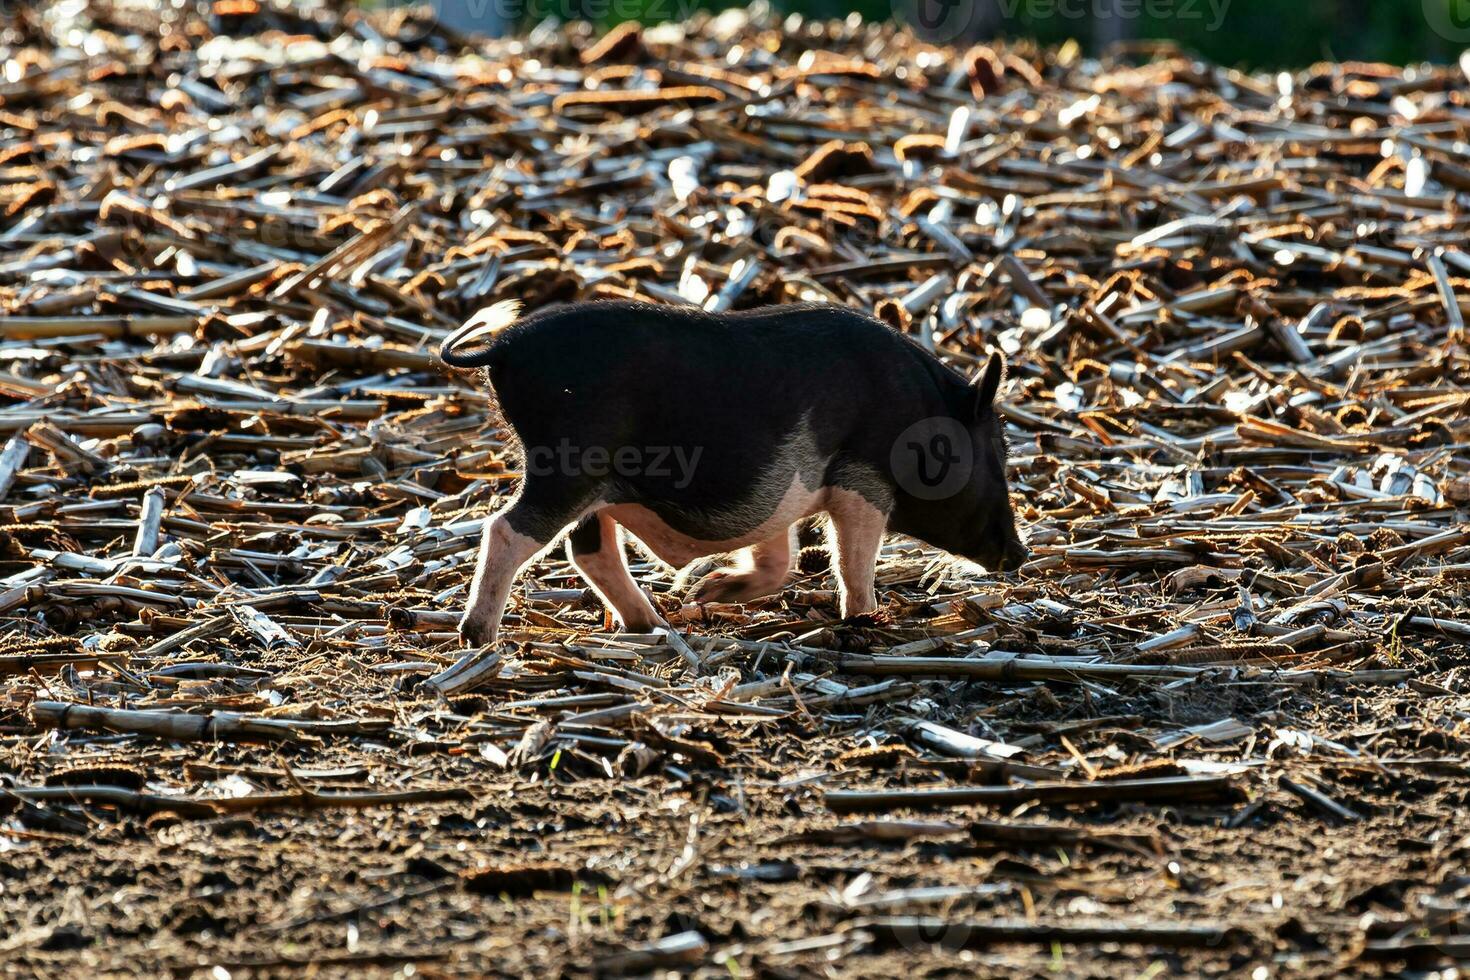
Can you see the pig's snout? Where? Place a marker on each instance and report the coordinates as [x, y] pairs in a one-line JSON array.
[[1015, 555], [1005, 555]]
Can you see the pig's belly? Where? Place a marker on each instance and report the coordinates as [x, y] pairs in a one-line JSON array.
[[679, 549]]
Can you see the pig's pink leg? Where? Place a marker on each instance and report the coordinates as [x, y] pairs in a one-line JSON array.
[[856, 535], [596, 549], [503, 553], [763, 572]]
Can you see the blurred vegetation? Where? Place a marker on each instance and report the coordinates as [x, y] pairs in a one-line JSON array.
[[1247, 33], [1285, 33]]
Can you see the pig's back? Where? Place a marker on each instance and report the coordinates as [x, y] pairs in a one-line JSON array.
[[783, 361]]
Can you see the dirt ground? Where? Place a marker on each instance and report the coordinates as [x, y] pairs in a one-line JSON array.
[[735, 854]]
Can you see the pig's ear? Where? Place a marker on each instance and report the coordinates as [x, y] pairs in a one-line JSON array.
[[988, 383]]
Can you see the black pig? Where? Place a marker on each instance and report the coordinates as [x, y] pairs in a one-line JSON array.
[[703, 434]]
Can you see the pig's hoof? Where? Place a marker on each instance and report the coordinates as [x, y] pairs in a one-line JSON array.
[[642, 625], [731, 586], [475, 634], [873, 617]]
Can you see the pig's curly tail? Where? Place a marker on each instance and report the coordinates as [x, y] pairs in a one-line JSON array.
[[484, 324]]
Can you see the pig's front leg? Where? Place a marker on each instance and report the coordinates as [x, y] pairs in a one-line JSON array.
[[596, 549], [856, 535], [766, 568], [503, 552]]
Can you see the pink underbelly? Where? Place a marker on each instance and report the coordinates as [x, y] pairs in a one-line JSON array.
[[679, 549]]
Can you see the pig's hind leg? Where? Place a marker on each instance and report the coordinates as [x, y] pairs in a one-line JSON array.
[[596, 549], [856, 534], [765, 570]]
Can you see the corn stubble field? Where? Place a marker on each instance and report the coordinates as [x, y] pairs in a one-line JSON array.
[[1217, 725]]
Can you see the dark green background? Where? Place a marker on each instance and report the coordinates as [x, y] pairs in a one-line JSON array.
[[1255, 33]]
